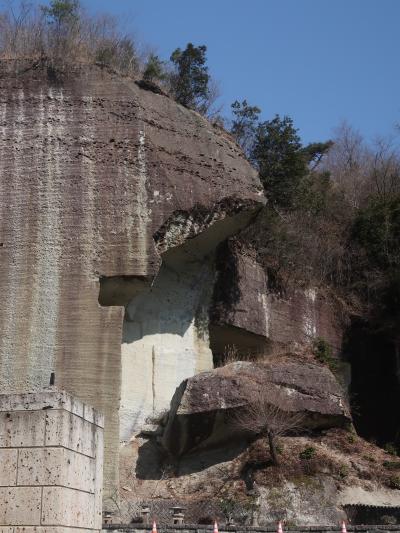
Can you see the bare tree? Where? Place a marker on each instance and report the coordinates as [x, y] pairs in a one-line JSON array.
[[384, 164], [267, 420]]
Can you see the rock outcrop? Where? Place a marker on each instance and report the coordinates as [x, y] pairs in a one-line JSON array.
[[100, 182], [202, 406], [249, 314]]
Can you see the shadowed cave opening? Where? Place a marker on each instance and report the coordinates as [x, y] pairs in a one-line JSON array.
[[375, 386]]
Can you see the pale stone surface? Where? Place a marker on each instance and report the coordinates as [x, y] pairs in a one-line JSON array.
[[22, 428], [165, 340], [56, 466], [65, 429], [20, 505], [50, 399], [8, 467], [55, 480], [378, 496], [67, 507]]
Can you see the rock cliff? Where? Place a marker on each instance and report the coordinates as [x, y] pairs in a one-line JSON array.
[[101, 183], [254, 317], [119, 274]]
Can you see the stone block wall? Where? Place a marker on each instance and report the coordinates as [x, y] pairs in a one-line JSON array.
[[51, 462]]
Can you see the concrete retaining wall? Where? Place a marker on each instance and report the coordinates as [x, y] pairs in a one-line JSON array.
[[51, 462]]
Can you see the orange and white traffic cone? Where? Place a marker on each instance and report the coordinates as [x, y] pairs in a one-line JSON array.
[[154, 530], [280, 530], [215, 527], [344, 530]]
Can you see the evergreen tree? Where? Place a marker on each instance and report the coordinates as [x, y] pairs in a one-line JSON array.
[[278, 154], [244, 124], [190, 80], [63, 18], [154, 69], [62, 13]]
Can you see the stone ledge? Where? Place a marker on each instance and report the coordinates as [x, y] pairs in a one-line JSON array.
[[50, 399]]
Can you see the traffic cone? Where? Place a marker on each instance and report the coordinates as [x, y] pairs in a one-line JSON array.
[[280, 530], [215, 527], [344, 530], [154, 530]]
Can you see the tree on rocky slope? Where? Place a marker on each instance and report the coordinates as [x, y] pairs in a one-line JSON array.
[[244, 124], [190, 80], [154, 69], [262, 418], [276, 150]]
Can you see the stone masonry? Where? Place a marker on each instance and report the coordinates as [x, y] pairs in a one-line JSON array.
[[51, 461]]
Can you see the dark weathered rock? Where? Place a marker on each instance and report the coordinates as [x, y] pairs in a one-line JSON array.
[[247, 313], [202, 405]]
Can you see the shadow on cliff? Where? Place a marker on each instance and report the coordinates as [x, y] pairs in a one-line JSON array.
[[153, 462], [375, 383], [226, 289]]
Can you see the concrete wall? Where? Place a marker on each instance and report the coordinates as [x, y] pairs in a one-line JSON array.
[[51, 457]]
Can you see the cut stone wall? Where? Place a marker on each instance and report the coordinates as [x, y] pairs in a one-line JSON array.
[[51, 457], [165, 340]]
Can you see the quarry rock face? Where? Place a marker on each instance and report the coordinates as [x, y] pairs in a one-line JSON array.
[[110, 196], [202, 405], [247, 313]]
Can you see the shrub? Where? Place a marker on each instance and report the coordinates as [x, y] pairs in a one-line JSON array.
[[308, 453], [323, 353], [322, 350], [391, 448], [394, 482], [343, 471], [63, 35], [391, 465]]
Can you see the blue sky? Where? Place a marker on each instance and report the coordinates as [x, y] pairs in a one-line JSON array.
[[319, 61]]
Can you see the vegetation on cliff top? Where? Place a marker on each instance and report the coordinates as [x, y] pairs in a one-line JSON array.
[[62, 35]]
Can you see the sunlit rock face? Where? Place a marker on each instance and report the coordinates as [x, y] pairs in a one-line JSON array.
[[99, 180]]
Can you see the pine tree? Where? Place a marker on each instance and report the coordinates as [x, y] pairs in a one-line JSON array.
[[190, 80], [244, 124], [154, 70], [278, 154]]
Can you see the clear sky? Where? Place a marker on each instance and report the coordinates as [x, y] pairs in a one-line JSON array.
[[319, 61]]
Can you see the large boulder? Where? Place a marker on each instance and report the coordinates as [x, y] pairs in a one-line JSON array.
[[201, 409]]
